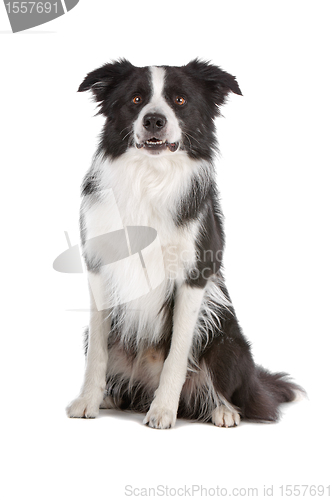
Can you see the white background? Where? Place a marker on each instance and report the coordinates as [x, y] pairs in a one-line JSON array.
[[275, 179]]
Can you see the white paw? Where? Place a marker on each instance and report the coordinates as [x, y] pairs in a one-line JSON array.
[[223, 417], [159, 417], [83, 407]]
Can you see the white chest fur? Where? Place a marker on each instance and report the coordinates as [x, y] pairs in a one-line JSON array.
[[137, 190]]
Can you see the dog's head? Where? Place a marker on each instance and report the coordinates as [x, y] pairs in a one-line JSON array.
[[160, 109]]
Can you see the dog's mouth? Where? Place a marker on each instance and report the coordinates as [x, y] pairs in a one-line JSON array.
[[154, 144]]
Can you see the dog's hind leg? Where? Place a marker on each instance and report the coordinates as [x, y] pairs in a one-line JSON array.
[[256, 393], [225, 416], [91, 395]]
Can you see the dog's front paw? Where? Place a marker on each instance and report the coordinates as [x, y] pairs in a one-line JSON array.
[[159, 417], [223, 417], [83, 407]]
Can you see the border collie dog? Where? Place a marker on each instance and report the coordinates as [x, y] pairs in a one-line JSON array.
[[174, 348]]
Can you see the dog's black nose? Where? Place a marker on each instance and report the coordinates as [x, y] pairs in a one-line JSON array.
[[154, 122]]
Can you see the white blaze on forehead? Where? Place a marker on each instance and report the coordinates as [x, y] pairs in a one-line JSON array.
[[158, 104], [157, 80]]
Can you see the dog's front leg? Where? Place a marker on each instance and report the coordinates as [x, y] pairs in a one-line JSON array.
[[163, 410], [86, 405]]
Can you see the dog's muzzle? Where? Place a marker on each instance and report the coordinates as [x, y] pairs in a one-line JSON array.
[[155, 127]]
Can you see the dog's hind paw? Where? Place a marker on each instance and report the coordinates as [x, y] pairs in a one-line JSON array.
[[83, 407], [223, 417], [160, 418]]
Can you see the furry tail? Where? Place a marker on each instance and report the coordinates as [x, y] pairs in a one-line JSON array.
[[265, 394]]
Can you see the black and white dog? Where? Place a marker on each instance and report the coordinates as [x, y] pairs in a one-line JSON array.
[[163, 340]]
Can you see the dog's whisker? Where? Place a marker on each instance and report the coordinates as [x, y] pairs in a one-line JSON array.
[[125, 128], [130, 132], [189, 140], [189, 135]]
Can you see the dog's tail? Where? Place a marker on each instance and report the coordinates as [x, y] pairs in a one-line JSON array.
[[265, 392]]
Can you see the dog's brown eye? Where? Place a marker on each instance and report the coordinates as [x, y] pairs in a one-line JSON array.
[[180, 101], [137, 99]]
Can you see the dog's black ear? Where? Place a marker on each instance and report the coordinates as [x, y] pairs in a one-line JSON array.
[[104, 80], [219, 83]]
